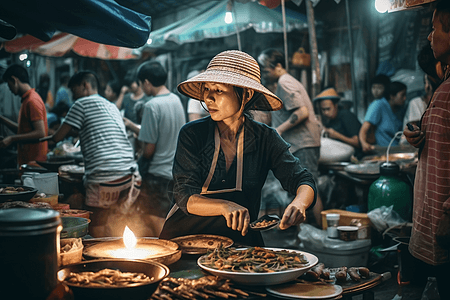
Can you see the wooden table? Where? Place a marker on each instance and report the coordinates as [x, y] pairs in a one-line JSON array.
[[187, 267]]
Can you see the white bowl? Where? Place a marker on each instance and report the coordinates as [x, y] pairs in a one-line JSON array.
[[263, 278]]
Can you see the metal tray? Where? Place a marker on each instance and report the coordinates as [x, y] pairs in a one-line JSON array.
[[200, 243]]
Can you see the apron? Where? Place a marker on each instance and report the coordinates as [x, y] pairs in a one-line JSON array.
[[179, 224]]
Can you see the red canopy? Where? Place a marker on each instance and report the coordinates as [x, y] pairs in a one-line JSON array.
[[62, 43]]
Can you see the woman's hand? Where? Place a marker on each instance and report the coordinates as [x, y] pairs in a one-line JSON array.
[[293, 215], [415, 137], [237, 216]]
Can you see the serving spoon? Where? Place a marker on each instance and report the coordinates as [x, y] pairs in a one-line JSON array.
[[265, 222]]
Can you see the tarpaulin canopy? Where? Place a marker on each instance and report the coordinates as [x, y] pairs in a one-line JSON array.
[[210, 23], [61, 43], [101, 21]]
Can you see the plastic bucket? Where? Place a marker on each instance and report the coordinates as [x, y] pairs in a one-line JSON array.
[[46, 183]]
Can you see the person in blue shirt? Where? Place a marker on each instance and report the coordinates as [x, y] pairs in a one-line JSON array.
[[384, 117]]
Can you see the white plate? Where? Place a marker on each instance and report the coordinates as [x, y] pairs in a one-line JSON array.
[[305, 291], [263, 278]]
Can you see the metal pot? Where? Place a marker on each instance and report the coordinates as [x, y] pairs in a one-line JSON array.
[[29, 252], [143, 291]]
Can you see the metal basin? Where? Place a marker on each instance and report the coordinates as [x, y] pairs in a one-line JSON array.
[[54, 165], [138, 291]]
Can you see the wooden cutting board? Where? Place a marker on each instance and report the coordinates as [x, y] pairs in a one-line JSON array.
[[351, 286]]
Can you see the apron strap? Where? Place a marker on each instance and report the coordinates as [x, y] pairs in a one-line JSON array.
[[239, 169]]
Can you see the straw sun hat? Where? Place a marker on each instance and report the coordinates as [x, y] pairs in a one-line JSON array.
[[235, 68], [328, 94]]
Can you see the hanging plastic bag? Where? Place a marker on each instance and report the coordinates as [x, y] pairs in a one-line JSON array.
[[332, 150], [384, 217]]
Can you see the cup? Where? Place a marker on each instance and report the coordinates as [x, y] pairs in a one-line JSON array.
[[332, 224]]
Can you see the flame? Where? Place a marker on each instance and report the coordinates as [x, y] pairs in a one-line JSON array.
[[132, 250], [129, 239]]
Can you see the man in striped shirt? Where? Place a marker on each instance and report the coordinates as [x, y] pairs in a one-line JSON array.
[[431, 221], [111, 177]]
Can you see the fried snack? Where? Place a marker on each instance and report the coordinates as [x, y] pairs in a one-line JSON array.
[[264, 223], [318, 269], [341, 275], [353, 272], [364, 272], [107, 277], [310, 276], [325, 274], [208, 287]]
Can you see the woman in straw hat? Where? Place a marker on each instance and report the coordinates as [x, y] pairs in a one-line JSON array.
[[222, 160]]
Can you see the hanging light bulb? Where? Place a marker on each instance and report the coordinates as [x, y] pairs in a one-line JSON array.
[[229, 14], [382, 5]]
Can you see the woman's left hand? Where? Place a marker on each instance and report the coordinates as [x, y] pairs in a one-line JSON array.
[[293, 215]]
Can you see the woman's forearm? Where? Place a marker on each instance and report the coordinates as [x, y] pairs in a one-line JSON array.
[[304, 197], [202, 206]]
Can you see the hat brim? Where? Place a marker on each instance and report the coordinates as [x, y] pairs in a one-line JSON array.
[[332, 98], [267, 101]]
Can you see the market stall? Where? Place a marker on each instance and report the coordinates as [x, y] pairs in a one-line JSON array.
[[149, 268]]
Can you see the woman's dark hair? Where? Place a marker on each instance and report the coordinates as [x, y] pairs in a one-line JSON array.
[[385, 81], [115, 85], [396, 87]]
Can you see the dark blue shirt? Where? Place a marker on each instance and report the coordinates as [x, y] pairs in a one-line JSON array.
[[345, 123]]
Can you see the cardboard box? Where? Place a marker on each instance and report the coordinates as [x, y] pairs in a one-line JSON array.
[[345, 217]]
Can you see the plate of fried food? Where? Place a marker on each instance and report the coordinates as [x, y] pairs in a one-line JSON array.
[[257, 265], [16, 192], [113, 278]]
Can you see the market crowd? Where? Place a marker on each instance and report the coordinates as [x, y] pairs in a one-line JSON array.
[[166, 171]]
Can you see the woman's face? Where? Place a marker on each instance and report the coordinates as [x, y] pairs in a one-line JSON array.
[[134, 87], [399, 98], [109, 94], [377, 90], [221, 100]]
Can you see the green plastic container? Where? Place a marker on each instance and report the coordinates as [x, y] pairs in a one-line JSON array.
[[389, 189]]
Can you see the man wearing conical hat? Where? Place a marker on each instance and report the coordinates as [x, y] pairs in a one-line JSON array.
[[339, 124]]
